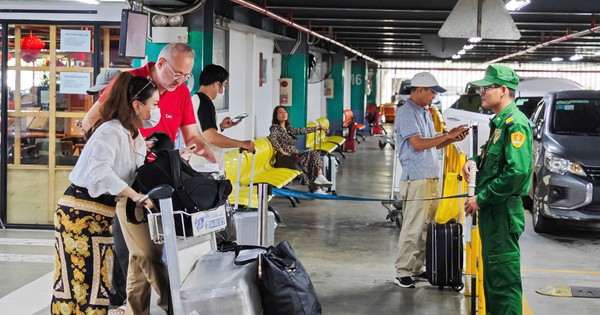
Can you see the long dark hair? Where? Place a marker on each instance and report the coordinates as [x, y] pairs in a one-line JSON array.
[[275, 121], [119, 105]]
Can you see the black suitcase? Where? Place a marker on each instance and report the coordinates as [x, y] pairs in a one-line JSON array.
[[444, 255]]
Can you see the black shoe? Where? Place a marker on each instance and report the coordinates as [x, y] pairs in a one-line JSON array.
[[420, 277], [405, 282]]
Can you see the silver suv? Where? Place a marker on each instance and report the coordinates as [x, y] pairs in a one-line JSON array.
[[566, 180]]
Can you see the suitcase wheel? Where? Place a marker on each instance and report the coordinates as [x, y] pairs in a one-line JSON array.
[[459, 287]]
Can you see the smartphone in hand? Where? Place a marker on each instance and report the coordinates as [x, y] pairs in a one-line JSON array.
[[239, 117]]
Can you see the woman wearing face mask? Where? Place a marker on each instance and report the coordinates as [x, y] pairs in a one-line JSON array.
[[104, 172]]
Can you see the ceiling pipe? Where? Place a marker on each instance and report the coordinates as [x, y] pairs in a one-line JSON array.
[[545, 44], [276, 17]]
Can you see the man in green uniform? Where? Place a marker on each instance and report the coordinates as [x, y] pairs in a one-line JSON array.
[[504, 172]]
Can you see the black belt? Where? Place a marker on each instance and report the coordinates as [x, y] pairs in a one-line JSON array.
[[82, 193]]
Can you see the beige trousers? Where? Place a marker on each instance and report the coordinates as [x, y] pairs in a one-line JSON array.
[[146, 268], [416, 218]]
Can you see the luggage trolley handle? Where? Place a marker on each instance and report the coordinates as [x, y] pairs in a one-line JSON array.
[[163, 193]]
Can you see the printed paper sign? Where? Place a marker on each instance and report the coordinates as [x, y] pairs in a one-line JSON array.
[[75, 41], [74, 82]]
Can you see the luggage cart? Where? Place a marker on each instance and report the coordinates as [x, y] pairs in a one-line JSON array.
[[385, 139], [394, 207], [162, 231]]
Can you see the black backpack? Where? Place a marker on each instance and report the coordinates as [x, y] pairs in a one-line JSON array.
[[194, 191]]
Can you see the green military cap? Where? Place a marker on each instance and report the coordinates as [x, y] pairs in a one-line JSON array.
[[499, 74]]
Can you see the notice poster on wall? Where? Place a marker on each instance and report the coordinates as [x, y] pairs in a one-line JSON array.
[[75, 40], [74, 82]]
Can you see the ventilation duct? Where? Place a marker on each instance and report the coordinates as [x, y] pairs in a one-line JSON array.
[[442, 47], [487, 19]]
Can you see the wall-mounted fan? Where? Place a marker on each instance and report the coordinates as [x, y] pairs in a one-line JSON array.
[[319, 65]]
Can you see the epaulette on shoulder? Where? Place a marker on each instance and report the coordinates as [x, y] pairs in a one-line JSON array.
[[509, 120]]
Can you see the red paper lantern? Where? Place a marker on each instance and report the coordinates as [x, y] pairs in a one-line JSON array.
[[31, 46]]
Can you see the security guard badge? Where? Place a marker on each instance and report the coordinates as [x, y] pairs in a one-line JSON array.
[[517, 139], [497, 134]]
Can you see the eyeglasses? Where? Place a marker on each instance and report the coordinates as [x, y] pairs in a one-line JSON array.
[[150, 82], [484, 89], [177, 75]]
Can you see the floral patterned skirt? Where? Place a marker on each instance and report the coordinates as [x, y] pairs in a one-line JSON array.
[[83, 253]]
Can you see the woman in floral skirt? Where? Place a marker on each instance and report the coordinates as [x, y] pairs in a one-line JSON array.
[[104, 171]]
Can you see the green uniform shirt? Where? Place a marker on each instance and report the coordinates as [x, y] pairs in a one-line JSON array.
[[505, 165]]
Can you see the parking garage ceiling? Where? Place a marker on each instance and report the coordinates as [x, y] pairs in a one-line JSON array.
[[392, 30]]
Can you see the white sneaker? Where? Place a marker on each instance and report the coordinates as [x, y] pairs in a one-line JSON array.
[[319, 192], [322, 181]]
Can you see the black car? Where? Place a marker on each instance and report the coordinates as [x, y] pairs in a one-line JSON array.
[[566, 149]]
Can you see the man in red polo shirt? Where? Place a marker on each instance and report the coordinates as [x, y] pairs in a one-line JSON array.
[[146, 269]]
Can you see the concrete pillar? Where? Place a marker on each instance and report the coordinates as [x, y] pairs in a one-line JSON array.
[[358, 95]]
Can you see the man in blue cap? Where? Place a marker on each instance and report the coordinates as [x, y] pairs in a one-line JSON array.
[[504, 174]]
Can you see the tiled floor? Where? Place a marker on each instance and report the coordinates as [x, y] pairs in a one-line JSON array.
[[349, 249]]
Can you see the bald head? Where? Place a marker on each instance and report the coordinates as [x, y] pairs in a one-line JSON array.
[[172, 50]]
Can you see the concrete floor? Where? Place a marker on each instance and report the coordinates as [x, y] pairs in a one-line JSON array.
[[349, 249]]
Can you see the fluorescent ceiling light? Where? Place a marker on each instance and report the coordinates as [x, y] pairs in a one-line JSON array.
[[462, 52], [89, 1], [556, 59], [468, 47], [576, 57], [456, 57], [516, 5], [474, 39], [447, 61], [597, 53]]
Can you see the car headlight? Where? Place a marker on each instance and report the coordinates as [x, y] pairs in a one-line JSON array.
[[561, 166]]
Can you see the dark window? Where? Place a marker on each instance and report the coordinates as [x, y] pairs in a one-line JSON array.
[[527, 104], [576, 117]]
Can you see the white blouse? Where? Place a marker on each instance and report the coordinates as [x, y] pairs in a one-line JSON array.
[[109, 160]]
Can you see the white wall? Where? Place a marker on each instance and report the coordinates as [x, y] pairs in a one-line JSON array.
[[245, 94], [347, 82], [316, 106]]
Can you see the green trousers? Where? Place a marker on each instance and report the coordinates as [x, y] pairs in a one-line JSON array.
[[500, 228]]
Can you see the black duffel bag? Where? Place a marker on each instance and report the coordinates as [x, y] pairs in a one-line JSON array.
[[284, 284], [193, 190]]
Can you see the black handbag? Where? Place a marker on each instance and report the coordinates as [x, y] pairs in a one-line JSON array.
[[193, 191], [288, 161], [284, 283]]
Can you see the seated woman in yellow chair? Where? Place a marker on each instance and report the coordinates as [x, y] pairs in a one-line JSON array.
[[283, 139]]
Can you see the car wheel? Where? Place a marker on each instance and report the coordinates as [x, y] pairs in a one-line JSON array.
[[541, 224]]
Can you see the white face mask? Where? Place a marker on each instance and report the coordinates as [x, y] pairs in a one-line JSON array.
[[153, 120]]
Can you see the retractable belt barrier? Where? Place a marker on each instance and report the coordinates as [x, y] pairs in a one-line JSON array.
[[308, 195]]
